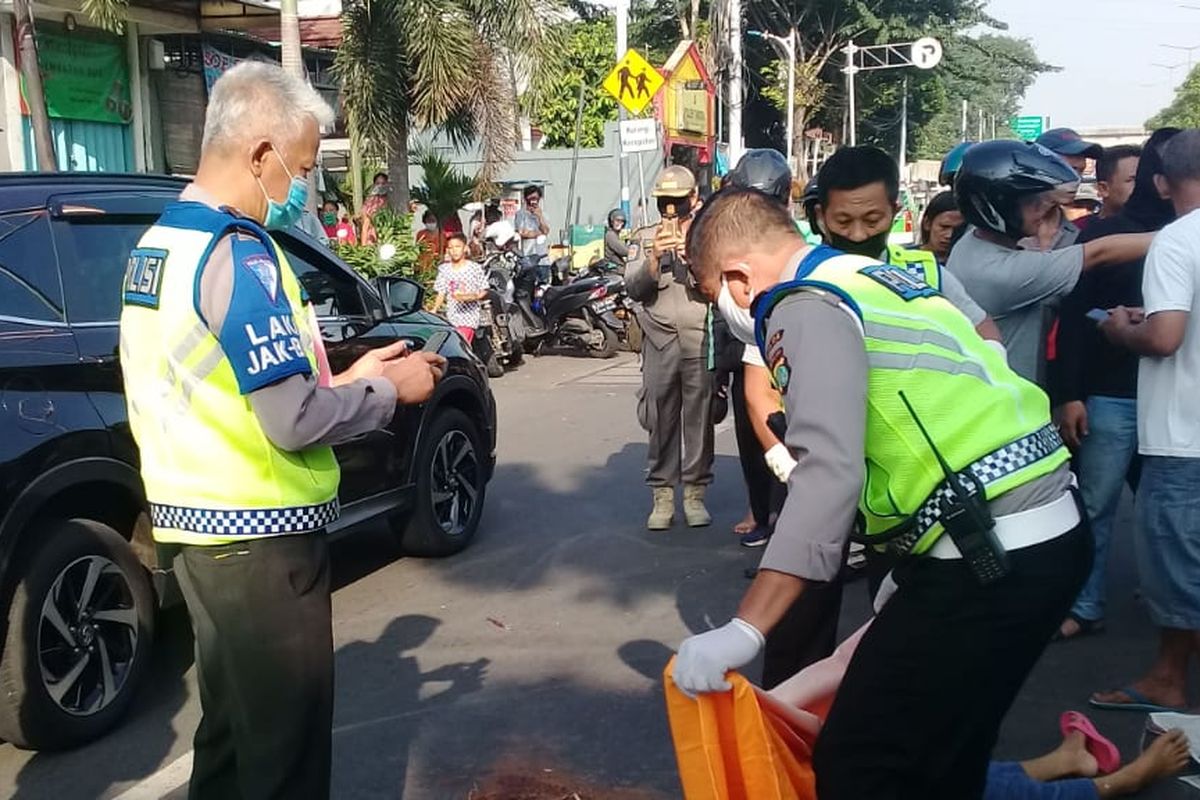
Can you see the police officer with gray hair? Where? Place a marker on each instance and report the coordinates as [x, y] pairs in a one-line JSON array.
[[675, 401]]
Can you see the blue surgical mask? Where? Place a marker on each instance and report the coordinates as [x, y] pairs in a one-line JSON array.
[[281, 216]]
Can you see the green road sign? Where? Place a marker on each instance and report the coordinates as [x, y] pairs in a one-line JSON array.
[[1027, 128]]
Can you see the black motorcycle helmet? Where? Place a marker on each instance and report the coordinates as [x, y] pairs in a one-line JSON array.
[[996, 177], [763, 169], [809, 200], [614, 215]]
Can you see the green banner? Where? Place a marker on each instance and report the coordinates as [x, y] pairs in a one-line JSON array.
[[85, 75]]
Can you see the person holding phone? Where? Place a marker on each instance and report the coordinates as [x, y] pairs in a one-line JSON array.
[[675, 401], [1094, 383], [234, 410]]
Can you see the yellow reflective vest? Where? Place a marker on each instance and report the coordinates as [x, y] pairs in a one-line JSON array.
[[981, 414], [212, 475]]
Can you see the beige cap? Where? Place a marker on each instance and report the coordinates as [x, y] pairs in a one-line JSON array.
[[674, 181]]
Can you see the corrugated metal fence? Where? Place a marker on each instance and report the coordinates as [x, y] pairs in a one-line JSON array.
[[84, 146]]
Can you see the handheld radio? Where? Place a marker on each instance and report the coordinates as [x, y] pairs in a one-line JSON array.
[[966, 516]]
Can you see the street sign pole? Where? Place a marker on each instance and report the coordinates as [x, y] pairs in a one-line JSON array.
[[924, 53], [622, 46]]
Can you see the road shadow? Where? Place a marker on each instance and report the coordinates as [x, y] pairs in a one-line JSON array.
[[143, 739], [374, 725]]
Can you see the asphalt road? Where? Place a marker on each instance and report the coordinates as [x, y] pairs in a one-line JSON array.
[[528, 666]]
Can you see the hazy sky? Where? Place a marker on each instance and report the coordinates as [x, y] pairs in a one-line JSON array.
[[1107, 50]]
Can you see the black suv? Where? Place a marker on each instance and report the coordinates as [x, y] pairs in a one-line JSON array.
[[80, 575]]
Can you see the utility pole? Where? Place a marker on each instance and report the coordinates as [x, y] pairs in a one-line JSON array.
[[293, 63], [964, 120], [289, 38], [981, 124], [849, 50], [736, 99], [788, 44], [35, 96], [904, 132], [622, 158]]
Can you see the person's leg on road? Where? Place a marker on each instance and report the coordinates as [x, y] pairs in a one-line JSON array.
[[1103, 462], [696, 472], [214, 760], [806, 634], [918, 711], [757, 475], [1071, 773], [664, 404], [267, 600], [660, 407], [1168, 559]]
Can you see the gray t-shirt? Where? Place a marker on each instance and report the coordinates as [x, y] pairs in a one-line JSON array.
[[1015, 287]]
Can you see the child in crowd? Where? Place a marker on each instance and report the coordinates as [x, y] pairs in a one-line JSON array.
[[460, 285]]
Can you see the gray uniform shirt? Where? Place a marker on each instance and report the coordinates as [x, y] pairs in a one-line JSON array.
[[1015, 287], [295, 412], [822, 345], [671, 309]]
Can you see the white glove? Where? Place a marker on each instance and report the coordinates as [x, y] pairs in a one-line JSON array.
[[998, 347], [704, 658], [781, 462]]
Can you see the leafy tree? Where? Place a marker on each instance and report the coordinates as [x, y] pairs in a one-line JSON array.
[[1184, 110], [395, 240], [444, 189], [823, 27], [451, 64], [589, 50]]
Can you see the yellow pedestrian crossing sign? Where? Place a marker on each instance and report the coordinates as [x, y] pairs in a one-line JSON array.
[[633, 82]]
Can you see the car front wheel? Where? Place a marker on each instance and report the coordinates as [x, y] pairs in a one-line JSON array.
[[451, 480], [80, 633]]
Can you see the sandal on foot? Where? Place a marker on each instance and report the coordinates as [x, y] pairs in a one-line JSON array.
[[1108, 757], [1137, 702]]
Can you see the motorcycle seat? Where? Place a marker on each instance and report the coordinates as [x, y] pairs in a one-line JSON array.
[[577, 287]]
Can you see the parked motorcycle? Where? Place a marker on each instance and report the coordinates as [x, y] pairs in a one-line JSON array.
[[508, 349], [569, 315]]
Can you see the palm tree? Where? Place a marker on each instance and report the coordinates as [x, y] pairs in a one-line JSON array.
[[451, 64], [444, 189]]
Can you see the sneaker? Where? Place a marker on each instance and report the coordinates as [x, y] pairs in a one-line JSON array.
[[663, 512], [757, 537], [694, 512]]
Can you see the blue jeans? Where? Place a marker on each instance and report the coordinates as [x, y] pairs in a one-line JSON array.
[[1103, 462], [1168, 541], [1006, 780]]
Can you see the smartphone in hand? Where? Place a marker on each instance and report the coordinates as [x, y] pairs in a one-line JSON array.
[[434, 343]]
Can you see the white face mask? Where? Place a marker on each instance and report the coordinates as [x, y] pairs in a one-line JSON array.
[[739, 320]]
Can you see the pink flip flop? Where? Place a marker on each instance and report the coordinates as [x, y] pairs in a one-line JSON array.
[[1108, 757]]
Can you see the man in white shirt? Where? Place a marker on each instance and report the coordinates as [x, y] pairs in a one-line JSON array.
[[1167, 335]]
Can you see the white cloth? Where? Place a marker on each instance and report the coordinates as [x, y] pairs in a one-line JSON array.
[[752, 357], [1168, 388]]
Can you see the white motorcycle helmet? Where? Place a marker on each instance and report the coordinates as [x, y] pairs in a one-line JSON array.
[[501, 233]]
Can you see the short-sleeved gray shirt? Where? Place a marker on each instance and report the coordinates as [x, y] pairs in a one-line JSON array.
[[1015, 287]]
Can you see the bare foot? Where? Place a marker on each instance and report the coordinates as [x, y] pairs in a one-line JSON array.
[[1166, 756], [1069, 760], [1076, 759], [746, 525], [1156, 691]]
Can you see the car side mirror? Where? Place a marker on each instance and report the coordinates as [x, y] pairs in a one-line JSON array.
[[400, 295]]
